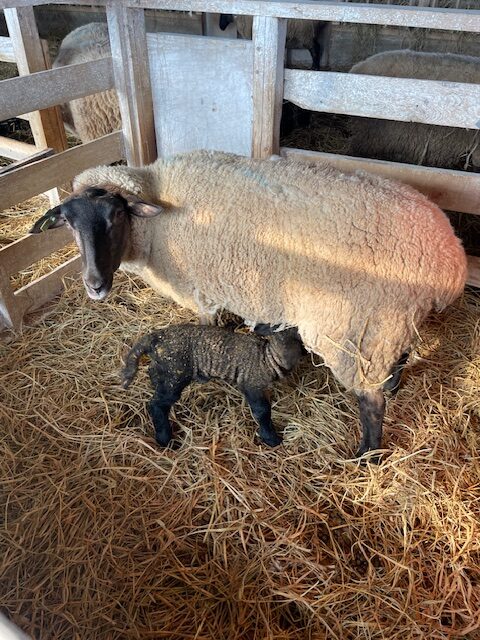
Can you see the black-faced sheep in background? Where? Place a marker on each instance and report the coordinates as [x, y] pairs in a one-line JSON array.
[[414, 142], [181, 354]]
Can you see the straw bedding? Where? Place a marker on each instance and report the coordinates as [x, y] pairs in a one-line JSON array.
[[106, 537]]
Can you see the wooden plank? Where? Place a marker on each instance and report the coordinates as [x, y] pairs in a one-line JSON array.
[[35, 294], [269, 50], [42, 175], [14, 149], [55, 86], [31, 56], [27, 3], [26, 251], [452, 190], [451, 104], [25, 40], [6, 50], [53, 127], [473, 278], [332, 10], [132, 81], [329, 10], [25, 160], [202, 93]]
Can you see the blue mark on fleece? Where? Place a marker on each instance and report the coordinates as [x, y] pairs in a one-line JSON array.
[[261, 180]]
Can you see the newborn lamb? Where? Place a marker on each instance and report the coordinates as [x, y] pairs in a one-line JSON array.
[[184, 353]]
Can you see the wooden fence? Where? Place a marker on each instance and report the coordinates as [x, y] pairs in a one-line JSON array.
[[127, 69]]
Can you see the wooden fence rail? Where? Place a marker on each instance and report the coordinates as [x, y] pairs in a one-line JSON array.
[[23, 183], [56, 86], [403, 16], [452, 104], [450, 190]]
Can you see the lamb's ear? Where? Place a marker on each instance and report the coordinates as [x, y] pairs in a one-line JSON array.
[[51, 220], [143, 209], [265, 329]]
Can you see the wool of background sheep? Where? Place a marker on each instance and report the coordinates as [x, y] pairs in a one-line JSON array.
[[414, 142], [95, 115]]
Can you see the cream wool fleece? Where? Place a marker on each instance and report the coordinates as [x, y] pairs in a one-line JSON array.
[[414, 142], [95, 115], [355, 261]]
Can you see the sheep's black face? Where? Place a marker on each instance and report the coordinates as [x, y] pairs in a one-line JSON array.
[[100, 225], [100, 222]]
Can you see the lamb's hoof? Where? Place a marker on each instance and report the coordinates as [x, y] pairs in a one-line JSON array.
[[165, 442], [272, 440]]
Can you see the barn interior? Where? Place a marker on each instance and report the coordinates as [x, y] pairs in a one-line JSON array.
[[104, 535]]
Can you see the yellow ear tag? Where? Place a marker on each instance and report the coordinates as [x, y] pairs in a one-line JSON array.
[[47, 223]]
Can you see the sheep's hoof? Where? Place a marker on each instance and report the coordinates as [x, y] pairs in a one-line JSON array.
[[272, 439], [374, 458]]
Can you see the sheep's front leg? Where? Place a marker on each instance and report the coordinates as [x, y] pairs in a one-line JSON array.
[[372, 410], [261, 410], [159, 409]]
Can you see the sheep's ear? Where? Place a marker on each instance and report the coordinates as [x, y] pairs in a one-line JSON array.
[[51, 220], [143, 209]]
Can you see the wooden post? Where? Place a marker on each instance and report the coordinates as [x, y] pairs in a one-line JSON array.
[[10, 315], [268, 54], [30, 56], [132, 82]]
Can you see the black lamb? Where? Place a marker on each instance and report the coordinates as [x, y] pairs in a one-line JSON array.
[[184, 353]]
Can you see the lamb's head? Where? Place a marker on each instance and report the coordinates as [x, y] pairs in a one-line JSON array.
[[100, 221]]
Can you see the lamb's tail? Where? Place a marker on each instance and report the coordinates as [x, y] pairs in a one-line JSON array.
[[144, 346]]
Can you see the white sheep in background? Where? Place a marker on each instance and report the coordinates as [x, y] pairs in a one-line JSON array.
[[412, 142], [355, 261], [301, 34], [98, 114]]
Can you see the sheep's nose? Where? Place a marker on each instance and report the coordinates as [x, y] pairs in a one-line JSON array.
[[97, 289]]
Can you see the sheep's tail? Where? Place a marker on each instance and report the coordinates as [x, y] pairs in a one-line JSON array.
[[144, 346]]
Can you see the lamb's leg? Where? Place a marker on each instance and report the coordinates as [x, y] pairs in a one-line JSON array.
[[208, 319], [159, 409], [372, 410], [261, 410], [393, 383]]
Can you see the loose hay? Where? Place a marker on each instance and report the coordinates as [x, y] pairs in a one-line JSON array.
[[15, 223], [106, 536]]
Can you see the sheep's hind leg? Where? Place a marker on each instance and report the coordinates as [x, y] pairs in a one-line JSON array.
[[372, 410], [159, 409], [262, 412], [393, 383]]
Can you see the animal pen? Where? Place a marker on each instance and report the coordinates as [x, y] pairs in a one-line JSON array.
[[245, 543]]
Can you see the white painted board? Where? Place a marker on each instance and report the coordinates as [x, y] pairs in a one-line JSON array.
[[202, 93]]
